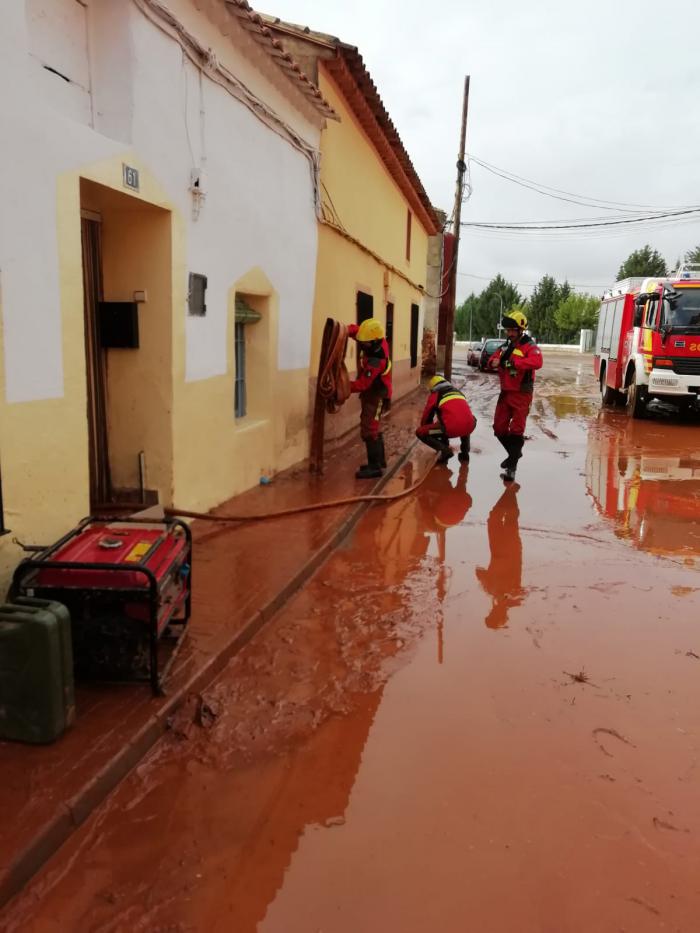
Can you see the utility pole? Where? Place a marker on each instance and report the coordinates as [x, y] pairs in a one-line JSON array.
[[456, 226]]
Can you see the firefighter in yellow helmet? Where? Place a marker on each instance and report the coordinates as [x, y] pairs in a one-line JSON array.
[[516, 362], [373, 384], [446, 414]]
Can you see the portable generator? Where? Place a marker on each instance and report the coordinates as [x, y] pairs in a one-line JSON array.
[[127, 584]]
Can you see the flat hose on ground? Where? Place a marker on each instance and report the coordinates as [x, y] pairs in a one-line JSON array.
[[314, 507], [332, 386]]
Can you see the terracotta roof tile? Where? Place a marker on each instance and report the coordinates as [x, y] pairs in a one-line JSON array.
[[253, 23]]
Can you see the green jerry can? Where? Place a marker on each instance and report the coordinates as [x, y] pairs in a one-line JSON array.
[[63, 616], [32, 675]]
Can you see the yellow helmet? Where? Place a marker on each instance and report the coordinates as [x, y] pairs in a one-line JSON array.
[[435, 381], [514, 319], [370, 330]]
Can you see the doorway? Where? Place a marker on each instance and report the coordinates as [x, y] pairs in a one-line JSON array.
[[127, 298], [95, 360]]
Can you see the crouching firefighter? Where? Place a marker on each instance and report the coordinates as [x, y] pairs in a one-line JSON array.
[[446, 414], [516, 363], [374, 386]]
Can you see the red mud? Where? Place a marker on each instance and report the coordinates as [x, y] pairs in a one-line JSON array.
[[482, 714]]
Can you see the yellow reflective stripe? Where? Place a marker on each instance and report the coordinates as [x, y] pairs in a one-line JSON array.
[[448, 396], [517, 352], [378, 413], [388, 367]]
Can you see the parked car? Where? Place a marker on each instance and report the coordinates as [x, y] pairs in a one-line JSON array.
[[474, 353], [489, 348]]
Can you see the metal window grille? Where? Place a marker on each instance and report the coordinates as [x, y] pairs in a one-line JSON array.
[[197, 291], [3, 530], [364, 306], [240, 387], [415, 312]]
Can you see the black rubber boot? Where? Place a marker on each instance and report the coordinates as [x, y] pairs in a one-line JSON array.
[[464, 448], [515, 452], [372, 469], [382, 458], [505, 440], [437, 443]]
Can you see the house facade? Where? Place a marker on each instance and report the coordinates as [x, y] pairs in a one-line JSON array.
[[158, 251], [376, 217]]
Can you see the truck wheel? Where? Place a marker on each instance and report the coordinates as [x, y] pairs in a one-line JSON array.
[[608, 396], [636, 399]]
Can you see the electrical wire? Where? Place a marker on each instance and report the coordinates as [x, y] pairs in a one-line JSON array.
[[549, 191], [530, 225]]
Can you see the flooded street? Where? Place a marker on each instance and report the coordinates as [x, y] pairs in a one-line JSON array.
[[481, 714]]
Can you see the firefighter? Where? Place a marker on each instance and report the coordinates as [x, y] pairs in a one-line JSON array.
[[374, 386], [446, 414], [516, 363]]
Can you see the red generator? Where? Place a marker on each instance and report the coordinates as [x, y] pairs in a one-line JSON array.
[[127, 584]]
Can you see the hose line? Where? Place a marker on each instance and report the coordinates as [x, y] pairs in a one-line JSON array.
[[313, 507]]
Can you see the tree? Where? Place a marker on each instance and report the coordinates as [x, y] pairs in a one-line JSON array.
[[480, 314], [576, 312], [644, 261], [693, 255]]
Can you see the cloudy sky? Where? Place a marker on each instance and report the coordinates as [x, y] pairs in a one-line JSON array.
[[598, 98]]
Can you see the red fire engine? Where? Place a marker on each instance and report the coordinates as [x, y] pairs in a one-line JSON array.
[[648, 341]]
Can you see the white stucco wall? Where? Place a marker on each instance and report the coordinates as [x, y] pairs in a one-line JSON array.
[[258, 210]]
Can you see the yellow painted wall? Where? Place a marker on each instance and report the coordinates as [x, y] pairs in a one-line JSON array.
[[366, 198], [372, 209]]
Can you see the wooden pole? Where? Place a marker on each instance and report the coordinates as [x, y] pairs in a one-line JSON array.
[[456, 226]]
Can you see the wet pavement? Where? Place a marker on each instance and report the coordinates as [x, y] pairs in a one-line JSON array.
[[481, 714]]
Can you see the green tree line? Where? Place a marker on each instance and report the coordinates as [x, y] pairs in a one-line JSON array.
[[555, 313]]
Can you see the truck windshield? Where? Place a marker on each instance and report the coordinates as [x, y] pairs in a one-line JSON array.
[[683, 312]]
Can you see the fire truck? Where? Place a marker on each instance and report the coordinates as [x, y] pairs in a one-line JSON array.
[[649, 494], [648, 342]]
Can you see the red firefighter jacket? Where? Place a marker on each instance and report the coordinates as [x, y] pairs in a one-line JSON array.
[[450, 408], [517, 362], [373, 365]]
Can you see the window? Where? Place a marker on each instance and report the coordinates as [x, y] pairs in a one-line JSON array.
[[409, 220], [390, 328], [240, 390], [197, 294], [57, 31], [246, 316], [3, 530], [415, 314], [364, 307]]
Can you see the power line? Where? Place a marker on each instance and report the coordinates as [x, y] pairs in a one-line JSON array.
[[583, 200], [527, 226], [490, 278]]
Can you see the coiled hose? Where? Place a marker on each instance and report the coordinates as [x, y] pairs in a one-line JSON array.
[[332, 386]]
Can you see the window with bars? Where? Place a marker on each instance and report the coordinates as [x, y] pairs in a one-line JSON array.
[[246, 316], [415, 314], [240, 389]]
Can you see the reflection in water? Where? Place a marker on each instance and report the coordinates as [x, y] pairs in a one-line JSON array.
[[645, 478], [502, 579], [443, 506]]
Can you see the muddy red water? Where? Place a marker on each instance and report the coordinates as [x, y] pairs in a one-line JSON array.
[[482, 714]]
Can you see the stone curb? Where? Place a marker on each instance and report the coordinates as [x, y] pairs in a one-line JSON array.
[[73, 812]]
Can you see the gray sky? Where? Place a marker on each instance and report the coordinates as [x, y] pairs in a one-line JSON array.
[[600, 98]]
